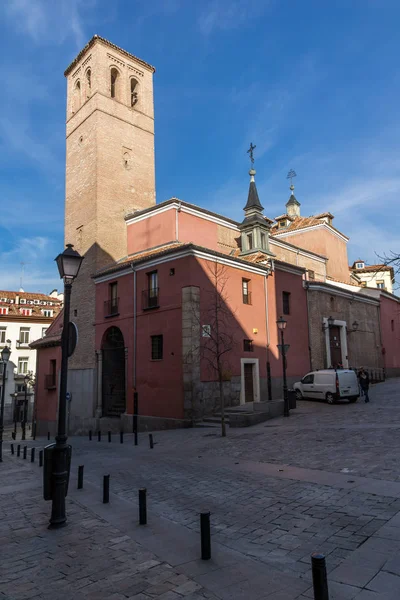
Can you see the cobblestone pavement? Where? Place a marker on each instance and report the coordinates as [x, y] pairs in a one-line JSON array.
[[324, 480]]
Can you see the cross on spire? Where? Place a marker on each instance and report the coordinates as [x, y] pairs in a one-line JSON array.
[[250, 152], [290, 176]]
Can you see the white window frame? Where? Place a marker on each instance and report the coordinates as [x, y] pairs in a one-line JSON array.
[[359, 265], [22, 335], [3, 334], [3, 310], [22, 360]]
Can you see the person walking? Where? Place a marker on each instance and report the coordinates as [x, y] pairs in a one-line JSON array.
[[363, 378]]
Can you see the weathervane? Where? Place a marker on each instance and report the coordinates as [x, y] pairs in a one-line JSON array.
[[290, 176], [250, 152]]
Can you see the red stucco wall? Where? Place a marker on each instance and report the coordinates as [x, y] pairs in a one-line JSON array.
[[46, 400], [390, 329]]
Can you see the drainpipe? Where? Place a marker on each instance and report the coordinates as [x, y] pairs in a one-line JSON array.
[[134, 327], [269, 387], [178, 210], [307, 285]]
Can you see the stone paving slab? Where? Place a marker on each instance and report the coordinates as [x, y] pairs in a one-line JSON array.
[[324, 480]]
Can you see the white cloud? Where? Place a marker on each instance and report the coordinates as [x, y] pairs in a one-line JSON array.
[[49, 22], [30, 262], [229, 14]]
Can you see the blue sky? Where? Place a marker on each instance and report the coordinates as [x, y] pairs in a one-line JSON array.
[[315, 85]]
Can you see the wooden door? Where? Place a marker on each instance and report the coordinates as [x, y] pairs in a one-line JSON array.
[[248, 382], [336, 349]]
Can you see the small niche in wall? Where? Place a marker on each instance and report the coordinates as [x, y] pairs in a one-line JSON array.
[[172, 271]]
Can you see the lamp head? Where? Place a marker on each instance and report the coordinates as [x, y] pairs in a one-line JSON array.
[[281, 323], [68, 263], [5, 353]]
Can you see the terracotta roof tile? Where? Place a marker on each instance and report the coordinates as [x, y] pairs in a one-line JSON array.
[[302, 223], [370, 269]]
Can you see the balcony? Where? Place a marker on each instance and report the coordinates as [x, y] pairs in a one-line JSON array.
[[111, 308], [50, 381], [150, 299], [247, 298]]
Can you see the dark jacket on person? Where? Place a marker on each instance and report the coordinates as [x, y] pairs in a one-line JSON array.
[[364, 380]]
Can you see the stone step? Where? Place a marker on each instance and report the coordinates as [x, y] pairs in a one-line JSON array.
[[215, 419]]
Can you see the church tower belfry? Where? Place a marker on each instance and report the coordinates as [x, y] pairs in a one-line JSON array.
[[254, 229], [110, 172]]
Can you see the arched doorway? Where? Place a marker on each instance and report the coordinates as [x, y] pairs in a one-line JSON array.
[[113, 376]]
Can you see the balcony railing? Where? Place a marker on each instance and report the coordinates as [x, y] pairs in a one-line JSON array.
[[111, 307], [247, 298], [150, 298], [50, 381]]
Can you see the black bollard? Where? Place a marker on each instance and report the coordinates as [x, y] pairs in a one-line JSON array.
[[40, 458], [99, 436], [80, 477], [33, 455], [25, 451], [121, 437], [109, 436], [106, 489], [142, 506], [90, 435], [12, 448], [205, 535], [151, 441], [320, 580], [18, 450], [48, 435]]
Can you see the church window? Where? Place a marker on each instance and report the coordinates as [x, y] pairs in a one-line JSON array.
[[156, 347], [282, 223], [89, 81], [134, 92], [286, 303], [77, 96], [311, 274], [114, 82], [246, 295], [263, 241], [380, 285], [250, 241]]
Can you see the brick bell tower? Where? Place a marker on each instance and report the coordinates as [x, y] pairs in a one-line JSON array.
[[109, 173]]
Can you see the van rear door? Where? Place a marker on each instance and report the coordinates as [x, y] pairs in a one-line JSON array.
[[348, 385]]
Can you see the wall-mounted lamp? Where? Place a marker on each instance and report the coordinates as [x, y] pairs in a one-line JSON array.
[[330, 322]]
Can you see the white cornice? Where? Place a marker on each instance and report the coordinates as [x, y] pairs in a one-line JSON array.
[[283, 234], [289, 269], [185, 209], [150, 263]]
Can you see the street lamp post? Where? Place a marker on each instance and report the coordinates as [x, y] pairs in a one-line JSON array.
[[5, 355], [69, 263], [25, 411], [281, 326], [15, 396]]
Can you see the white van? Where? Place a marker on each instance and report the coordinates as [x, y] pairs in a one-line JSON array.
[[329, 385]]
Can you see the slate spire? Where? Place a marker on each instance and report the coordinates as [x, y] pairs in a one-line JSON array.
[[253, 200]]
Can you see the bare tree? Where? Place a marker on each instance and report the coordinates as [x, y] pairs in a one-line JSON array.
[[217, 331]]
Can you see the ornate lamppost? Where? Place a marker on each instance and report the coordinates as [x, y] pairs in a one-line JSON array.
[[27, 380], [15, 396], [281, 326], [69, 263], [5, 356]]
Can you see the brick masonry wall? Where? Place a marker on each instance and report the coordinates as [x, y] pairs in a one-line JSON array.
[[109, 172]]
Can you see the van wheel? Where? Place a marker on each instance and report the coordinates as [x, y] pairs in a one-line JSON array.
[[330, 398], [353, 399], [299, 395]]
